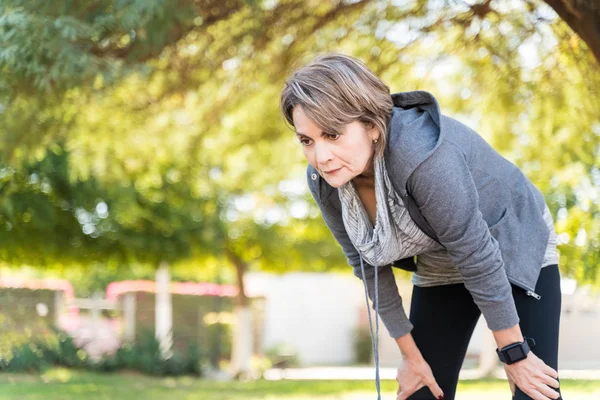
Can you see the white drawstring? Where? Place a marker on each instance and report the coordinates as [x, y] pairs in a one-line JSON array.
[[374, 341]]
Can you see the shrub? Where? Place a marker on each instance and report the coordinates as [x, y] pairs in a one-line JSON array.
[[26, 358], [143, 356], [363, 348], [282, 355]]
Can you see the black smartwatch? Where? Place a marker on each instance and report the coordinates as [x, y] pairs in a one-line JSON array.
[[516, 351]]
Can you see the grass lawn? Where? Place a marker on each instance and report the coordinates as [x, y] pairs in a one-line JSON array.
[[67, 384]]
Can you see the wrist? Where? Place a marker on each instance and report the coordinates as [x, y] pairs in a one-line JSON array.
[[412, 356], [508, 336], [408, 348]]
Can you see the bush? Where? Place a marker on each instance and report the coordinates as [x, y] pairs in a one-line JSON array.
[[143, 356], [26, 358], [219, 337], [282, 355], [363, 348], [195, 360], [62, 350], [41, 353]]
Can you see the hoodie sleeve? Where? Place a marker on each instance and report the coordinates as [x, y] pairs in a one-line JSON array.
[[391, 310], [444, 189]]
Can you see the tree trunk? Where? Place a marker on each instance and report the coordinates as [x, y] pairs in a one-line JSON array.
[[240, 271], [583, 16], [241, 351]]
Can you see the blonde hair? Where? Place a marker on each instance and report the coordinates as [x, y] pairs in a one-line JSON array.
[[335, 90]]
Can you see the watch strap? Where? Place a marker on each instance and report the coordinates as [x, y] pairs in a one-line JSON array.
[[530, 342], [526, 345]]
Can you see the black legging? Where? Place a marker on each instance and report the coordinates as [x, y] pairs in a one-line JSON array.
[[444, 318]]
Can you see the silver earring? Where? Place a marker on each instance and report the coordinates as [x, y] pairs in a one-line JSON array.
[[375, 141]]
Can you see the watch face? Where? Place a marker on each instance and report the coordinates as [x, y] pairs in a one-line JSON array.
[[515, 353]]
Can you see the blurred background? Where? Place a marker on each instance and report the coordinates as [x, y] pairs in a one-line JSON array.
[[155, 221]]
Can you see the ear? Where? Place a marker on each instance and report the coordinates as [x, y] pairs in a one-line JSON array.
[[370, 130], [373, 133]]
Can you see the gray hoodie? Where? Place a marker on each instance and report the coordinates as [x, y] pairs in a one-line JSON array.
[[461, 192]]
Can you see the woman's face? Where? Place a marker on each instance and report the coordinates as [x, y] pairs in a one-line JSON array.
[[338, 156]]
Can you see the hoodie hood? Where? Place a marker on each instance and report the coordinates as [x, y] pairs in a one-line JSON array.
[[414, 130]]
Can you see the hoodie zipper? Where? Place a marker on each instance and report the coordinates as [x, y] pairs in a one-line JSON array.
[[533, 294], [528, 292]]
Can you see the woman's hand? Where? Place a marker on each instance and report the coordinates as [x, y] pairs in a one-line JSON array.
[[534, 378], [413, 375], [512, 386]]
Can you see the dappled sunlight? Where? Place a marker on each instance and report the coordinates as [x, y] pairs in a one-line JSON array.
[[62, 375], [154, 200]]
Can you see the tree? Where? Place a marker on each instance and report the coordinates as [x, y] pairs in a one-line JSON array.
[[583, 16], [127, 70], [168, 113]]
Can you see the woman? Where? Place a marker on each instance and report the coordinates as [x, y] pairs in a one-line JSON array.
[[395, 179]]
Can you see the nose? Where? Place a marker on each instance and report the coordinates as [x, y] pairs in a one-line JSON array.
[[323, 154]]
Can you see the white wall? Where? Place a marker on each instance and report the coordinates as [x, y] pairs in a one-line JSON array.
[[314, 313], [580, 331], [317, 313]]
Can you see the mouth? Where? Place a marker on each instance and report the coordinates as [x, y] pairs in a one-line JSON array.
[[332, 171]]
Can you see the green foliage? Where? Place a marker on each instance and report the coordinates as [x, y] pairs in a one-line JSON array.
[[29, 342], [40, 201], [26, 358], [140, 132], [282, 355], [53, 45], [144, 355], [20, 323], [63, 351], [40, 353], [219, 341], [363, 349]]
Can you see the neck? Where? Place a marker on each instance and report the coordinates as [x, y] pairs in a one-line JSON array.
[[367, 177]]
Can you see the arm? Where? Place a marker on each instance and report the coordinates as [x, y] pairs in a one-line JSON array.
[[444, 190]]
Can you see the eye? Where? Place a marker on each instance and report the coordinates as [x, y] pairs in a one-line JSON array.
[[305, 141], [333, 136]]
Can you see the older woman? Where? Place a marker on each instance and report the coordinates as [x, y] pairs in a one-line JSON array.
[[395, 179]]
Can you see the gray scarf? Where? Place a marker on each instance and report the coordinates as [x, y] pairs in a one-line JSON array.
[[394, 236]]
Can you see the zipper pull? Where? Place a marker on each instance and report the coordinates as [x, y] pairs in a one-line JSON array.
[[533, 294]]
